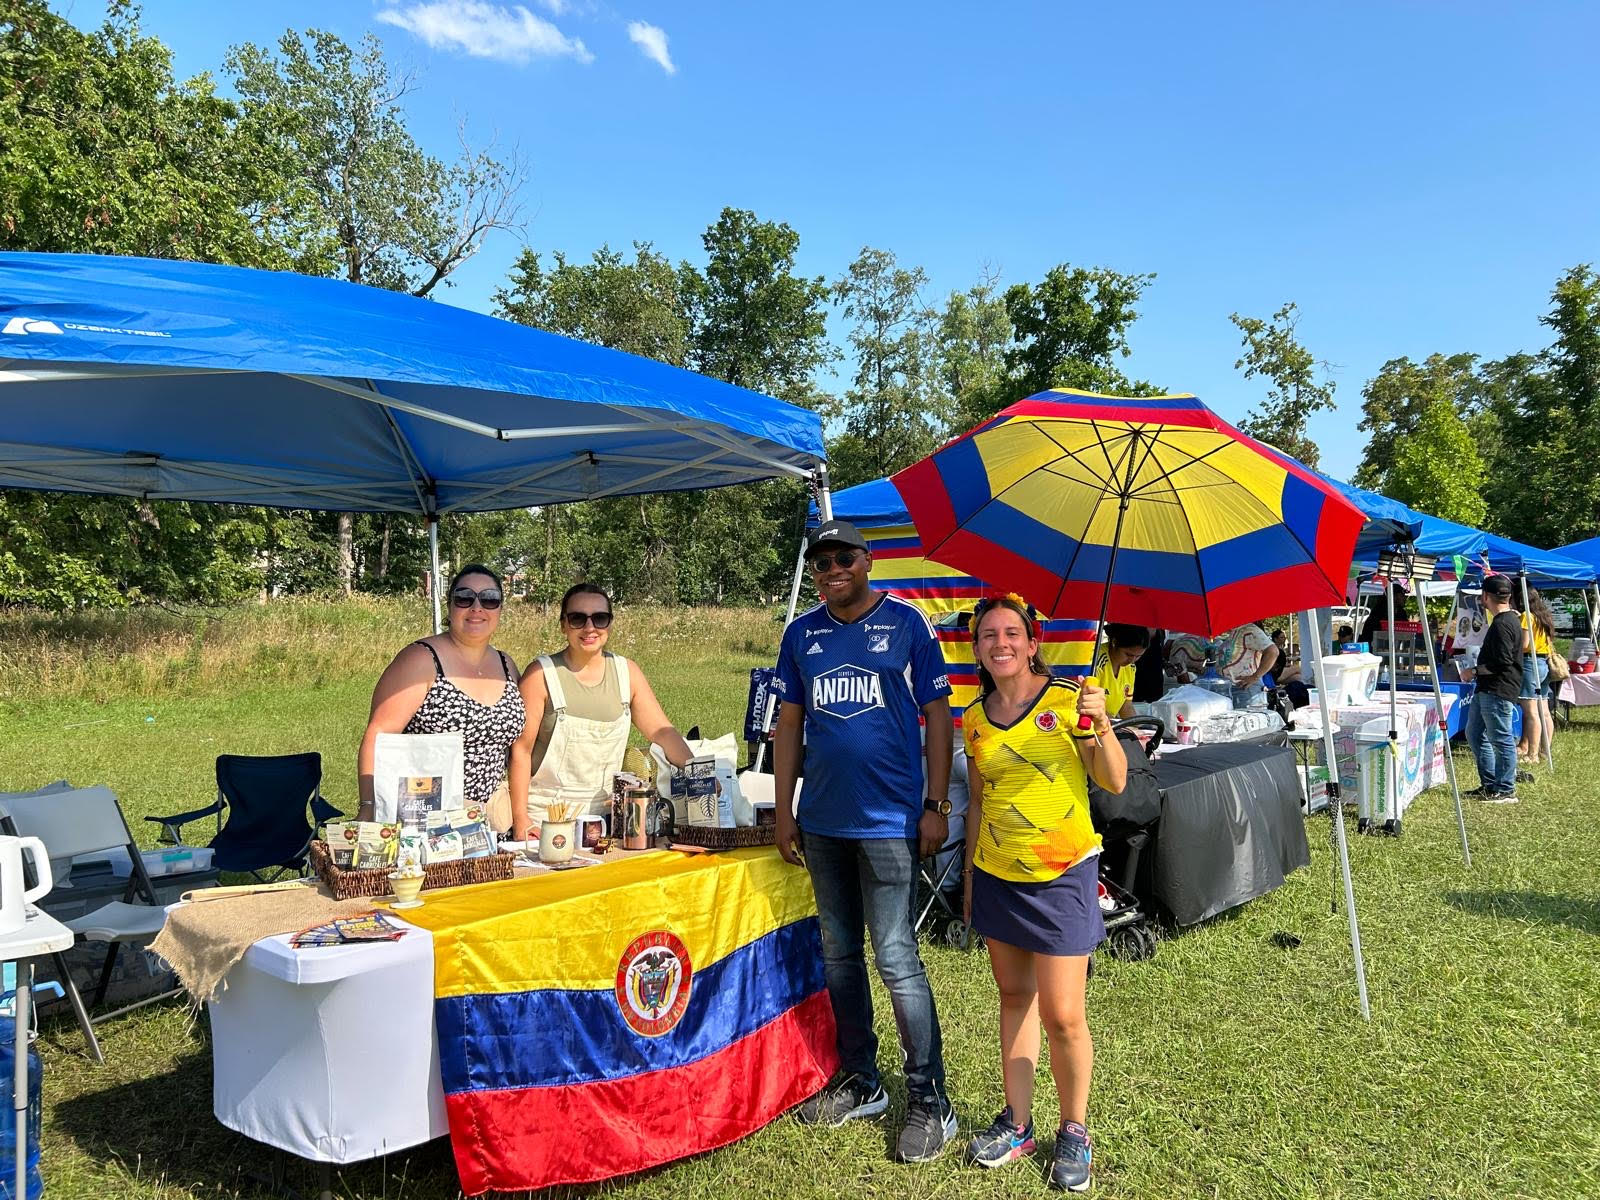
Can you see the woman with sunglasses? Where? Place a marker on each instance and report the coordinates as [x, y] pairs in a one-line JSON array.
[[582, 703], [1031, 887], [455, 682]]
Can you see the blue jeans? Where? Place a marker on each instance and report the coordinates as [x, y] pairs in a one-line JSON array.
[[1493, 744], [869, 886]]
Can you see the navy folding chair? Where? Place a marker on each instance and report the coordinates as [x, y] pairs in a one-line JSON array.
[[266, 799]]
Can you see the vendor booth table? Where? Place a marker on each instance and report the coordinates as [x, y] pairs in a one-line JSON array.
[[663, 1005], [1364, 761], [1582, 691], [1231, 827]]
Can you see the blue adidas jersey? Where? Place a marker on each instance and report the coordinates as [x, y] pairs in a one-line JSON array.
[[862, 684]]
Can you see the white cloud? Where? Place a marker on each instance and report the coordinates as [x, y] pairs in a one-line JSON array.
[[482, 30], [556, 8], [652, 39]]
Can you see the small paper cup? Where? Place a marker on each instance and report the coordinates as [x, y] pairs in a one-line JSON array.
[[406, 887]]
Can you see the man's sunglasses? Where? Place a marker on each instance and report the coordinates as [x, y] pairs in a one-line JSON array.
[[845, 558], [489, 598], [577, 620]]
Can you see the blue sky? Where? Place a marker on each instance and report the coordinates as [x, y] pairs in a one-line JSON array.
[[1414, 175]]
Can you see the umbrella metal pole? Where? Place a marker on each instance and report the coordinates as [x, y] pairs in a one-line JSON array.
[[433, 579], [1336, 814], [1444, 724]]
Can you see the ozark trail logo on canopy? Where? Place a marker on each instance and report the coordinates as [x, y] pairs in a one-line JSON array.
[[846, 692], [17, 325]]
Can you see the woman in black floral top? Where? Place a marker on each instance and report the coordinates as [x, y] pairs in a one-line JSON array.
[[455, 682]]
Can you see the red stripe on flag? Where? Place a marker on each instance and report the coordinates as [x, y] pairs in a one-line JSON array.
[[523, 1139]]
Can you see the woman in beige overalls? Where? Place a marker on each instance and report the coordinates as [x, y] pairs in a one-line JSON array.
[[581, 704]]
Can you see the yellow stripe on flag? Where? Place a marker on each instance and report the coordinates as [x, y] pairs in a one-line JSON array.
[[569, 929]]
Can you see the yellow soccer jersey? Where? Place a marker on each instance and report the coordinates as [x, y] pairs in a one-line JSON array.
[[1035, 790], [1118, 686]]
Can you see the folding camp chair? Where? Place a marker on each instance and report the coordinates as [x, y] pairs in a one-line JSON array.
[[265, 799], [87, 821]]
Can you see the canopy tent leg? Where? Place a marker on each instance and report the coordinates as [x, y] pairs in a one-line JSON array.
[[825, 513], [1392, 787], [1438, 699], [1336, 814], [434, 582]]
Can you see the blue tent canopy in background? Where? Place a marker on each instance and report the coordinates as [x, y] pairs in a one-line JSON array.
[[1544, 567], [1587, 551], [868, 505], [181, 380]]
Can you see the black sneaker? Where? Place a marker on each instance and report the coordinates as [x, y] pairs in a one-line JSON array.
[[928, 1130], [1499, 798], [1069, 1162], [1003, 1142], [848, 1099]]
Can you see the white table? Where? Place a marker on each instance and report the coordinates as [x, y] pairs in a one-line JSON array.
[[40, 934], [1305, 739], [330, 1053]]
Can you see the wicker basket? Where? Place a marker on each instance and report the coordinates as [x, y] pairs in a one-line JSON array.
[[348, 882], [726, 839]]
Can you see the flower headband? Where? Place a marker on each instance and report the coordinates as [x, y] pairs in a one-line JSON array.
[[993, 598]]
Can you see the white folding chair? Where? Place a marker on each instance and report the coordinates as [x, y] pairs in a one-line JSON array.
[[87, 821]]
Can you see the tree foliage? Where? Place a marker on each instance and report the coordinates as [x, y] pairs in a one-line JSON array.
[[1298, 384], [1071, 329], [1396, 399], [1437, 468]]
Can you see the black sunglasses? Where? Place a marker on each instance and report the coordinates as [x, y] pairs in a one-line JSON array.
[[845, 558], [577, 620], [489, 598]]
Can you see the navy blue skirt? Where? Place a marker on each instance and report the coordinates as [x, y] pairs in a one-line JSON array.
[[1060, 916]]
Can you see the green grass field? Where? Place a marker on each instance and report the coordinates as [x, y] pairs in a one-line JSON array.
[[1227, 1066]]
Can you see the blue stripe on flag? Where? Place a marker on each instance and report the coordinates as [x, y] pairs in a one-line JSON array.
[[566, 1036]]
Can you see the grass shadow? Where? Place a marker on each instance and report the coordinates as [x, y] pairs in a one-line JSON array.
[[1582, 915]]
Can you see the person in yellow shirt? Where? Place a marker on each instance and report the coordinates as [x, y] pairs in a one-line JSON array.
[[1538, 630], [1125, 645], [1031, 887]]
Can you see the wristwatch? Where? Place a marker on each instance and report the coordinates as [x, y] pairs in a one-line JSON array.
[[942, 807]]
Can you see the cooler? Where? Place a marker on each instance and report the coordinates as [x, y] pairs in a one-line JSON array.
[[1351, 678]]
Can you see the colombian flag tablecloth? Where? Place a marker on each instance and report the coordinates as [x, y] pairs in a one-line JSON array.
[[607, 1019]]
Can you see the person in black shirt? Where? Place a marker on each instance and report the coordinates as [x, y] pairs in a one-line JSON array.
[[1499, 679]]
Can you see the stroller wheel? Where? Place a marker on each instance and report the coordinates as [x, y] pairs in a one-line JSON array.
[[1132, 943]]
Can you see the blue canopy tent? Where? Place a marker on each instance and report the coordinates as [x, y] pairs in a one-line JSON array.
[[182, 380]]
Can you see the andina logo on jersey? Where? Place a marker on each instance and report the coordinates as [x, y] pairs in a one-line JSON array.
[[846, 692]]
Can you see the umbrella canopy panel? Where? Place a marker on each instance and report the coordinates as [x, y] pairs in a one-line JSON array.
[[180, 380], [1212, 529]]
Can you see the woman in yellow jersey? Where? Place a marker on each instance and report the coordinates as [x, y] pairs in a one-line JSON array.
[[1030, 883], [1538, 628], [1125, 645]]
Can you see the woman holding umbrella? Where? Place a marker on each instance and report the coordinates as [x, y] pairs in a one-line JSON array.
[[1030, 880]]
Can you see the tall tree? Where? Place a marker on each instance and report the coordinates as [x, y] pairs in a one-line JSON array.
[[1071, 328], [1437, 467], [1299, 384], [757, 323], [1396, 398], [895, 412], [366, 202], [974, 329]]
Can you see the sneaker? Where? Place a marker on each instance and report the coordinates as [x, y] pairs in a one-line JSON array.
[[849, 1099], [1001, 1143], [929, 1129], [1499, 798], [1069, 1163], [1476, 793]]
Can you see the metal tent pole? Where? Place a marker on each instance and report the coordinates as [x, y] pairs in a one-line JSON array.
[[433, 579], [1438, 699], [1392, 789], [1336, 814]]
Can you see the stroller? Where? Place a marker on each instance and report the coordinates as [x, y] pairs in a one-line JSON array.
[[1126, 824]]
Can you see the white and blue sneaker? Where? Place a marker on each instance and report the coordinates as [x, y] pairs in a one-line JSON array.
[[1003, 1142], [1069, 1164]]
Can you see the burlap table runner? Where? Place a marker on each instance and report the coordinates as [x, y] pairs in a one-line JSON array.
[[202, 941]]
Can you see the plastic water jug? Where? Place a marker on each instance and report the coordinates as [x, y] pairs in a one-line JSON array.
[[8, 1122]]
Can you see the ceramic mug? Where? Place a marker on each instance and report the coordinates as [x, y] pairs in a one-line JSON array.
[[556, 840]]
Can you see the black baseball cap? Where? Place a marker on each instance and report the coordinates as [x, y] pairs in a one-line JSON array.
[[1498, 585], [839, 532]]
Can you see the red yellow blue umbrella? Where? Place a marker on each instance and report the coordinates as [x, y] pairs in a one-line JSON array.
[[1149, 510]]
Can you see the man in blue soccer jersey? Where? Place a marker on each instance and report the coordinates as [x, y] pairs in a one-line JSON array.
[[854, 674]]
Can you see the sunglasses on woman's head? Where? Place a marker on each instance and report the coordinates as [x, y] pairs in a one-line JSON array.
[[489, 598], [577, 620], [845, 558]]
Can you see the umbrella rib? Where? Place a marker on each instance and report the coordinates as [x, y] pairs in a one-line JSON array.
[[1089, 521]]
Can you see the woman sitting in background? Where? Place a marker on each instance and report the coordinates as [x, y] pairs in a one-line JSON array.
[[455, 682], [1125, 644], [582, 703]]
